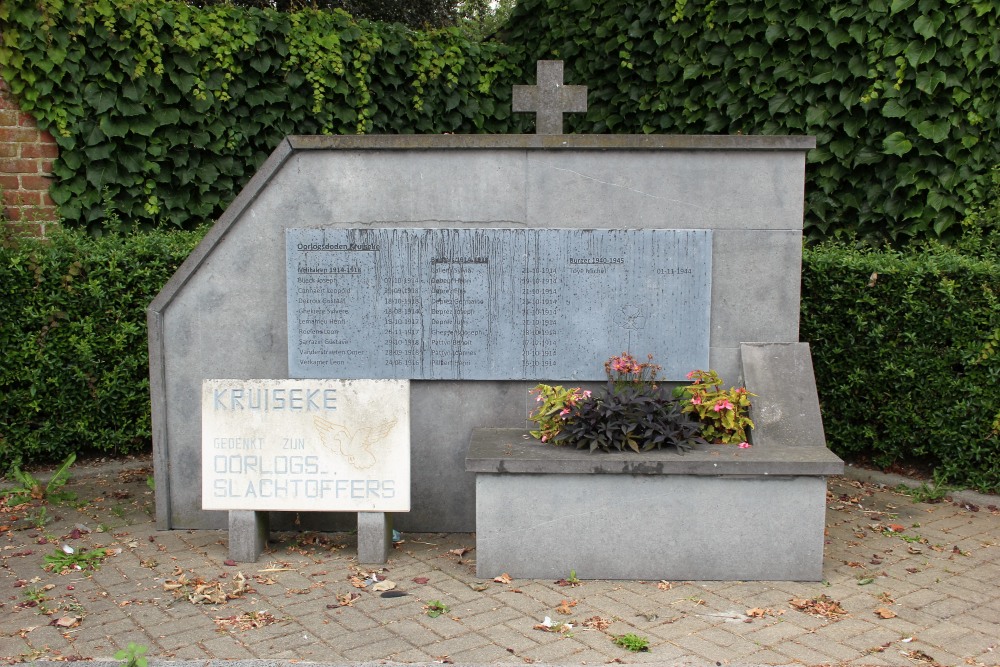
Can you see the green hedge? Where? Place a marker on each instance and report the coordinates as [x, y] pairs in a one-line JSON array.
[[906, 348], [75, 370]]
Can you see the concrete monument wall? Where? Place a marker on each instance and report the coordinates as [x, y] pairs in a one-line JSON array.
[[224, 314]]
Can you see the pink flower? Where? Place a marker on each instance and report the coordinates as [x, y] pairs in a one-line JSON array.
[[696, 399], [745, 445], [564, 412], [586, 394], [690, 375], [723, 405], [544, 438]]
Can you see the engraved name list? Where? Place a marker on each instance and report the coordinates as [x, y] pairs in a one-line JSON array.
[[494, 304]]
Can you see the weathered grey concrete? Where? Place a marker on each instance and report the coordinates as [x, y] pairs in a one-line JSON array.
[[514, 451], [650, 527], [374, 537], [223, 313], [549, 98], [786, 409], [248, 531]]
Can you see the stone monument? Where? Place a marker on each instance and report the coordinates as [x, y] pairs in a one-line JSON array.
[[476, 267]]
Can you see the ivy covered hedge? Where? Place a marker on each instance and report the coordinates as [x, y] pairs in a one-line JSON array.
[[903, 96], [163, 111], [906, 347], [74, 374]]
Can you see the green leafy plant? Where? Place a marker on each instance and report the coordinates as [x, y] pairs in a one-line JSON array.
[[926, 493], [34, 594], [133, 655], [556, 404], [30, 489], [435, 608], [897, 342], [631, 642], [633, 413], [39, 518], [634, 418], [723, 413], [75, 376], [898, 94], [163, 110], [68, 558], [625, 371]]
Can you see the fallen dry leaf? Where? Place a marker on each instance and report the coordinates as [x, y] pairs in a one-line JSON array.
[[566, 606], [346, 599], [883, 612], [384, 585], [819, 606], [664, 585], [357, 582], [251, 620], [548, 626], [597, 623], [920, 656], [420, 580], [208, 593], [239, 585], [564, 583], [503, 579], [66, 622]]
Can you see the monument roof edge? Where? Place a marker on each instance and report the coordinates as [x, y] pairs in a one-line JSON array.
[[232, 213], [678, 142]]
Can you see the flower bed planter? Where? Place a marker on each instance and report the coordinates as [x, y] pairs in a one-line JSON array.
[[716, 513]]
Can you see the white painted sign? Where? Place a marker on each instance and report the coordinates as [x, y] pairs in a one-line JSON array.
[[306, 445]]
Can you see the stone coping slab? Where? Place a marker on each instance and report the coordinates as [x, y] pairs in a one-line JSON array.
[[514, 451], [568, 141]]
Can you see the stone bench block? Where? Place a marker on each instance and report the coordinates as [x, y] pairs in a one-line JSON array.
[[716, 513]]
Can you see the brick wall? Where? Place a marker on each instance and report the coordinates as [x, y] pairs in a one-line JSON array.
[[26, 155]]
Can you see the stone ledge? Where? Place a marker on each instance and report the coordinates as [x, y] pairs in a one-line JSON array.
[[514, 451], [679, 142]]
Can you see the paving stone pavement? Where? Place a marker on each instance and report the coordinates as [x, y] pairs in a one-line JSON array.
[[906, 583]]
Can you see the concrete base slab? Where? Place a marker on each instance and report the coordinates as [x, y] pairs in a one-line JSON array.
[[650, 527]]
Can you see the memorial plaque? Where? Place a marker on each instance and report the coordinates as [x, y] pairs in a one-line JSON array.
[[495, 304], [306, 445]]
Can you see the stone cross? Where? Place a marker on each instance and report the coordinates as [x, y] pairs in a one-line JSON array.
[[550, 98]]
